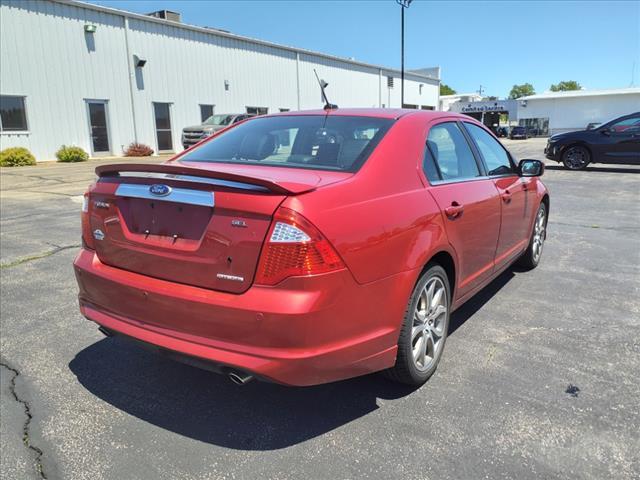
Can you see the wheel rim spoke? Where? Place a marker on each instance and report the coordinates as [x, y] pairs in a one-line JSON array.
[[415, 332], [437, 299]]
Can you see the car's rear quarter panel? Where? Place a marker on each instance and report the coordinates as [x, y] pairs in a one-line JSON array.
[[382, 221]]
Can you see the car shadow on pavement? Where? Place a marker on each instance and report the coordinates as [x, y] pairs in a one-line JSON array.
[[609, 169], [208, 407]]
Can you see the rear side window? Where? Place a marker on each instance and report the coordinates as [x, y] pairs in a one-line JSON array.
[[493, 154], [322, 142], [451, 154]]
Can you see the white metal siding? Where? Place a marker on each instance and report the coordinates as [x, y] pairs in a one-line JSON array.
[[47, 57]]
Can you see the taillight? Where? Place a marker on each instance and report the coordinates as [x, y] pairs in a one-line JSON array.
[[294, 247], [87, 238]]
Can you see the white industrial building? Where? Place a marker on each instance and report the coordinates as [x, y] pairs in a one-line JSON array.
[[99, 78], [550, 112], [574, 110]]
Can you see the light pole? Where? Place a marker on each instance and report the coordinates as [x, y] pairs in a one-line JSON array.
[[404, 4]]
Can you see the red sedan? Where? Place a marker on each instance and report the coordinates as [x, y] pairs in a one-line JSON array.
[[309, 247]]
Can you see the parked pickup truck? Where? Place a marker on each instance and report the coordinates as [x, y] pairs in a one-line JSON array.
[[192, 135]]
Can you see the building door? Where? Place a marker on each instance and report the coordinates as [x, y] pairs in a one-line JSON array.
[[98, 127], [164, 138]]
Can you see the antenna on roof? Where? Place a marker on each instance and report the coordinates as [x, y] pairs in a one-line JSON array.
[[323, 85]]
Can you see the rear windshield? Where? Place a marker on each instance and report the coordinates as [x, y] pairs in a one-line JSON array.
[[324, 142]]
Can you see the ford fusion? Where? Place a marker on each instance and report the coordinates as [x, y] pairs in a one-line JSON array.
[[308, 247]]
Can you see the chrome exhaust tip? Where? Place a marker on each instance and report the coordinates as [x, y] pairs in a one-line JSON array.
[[105, 331], [240, 378]]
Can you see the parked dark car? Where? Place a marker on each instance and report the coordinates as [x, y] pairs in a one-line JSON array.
[[617, 142], [519, 132]]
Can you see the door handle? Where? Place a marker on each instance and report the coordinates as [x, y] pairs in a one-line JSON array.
[[454, 211], [506, 196]]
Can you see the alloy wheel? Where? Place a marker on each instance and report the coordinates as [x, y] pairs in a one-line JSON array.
[[539, 234], [576, 158], [429, 321]]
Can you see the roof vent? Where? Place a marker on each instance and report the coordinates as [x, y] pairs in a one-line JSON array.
[[166, 15]]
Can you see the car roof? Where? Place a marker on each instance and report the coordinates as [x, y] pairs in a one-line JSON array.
[[392, 113]]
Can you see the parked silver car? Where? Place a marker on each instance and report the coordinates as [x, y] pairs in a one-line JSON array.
[[213, 124]]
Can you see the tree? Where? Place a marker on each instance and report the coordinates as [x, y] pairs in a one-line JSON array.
[[446, 90], [522, 90], [565, 85]]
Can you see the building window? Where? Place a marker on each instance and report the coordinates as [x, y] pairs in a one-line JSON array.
[[285, 109], [13, 114], [257, 110], [390, 82], [427, 107], [205, 112], [409, 105]]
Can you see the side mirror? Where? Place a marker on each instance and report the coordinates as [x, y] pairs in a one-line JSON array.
[[530, 168], [606, 131]]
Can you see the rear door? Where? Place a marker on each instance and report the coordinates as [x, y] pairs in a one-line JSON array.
[[516, 194], [469, 202], [624, 141]]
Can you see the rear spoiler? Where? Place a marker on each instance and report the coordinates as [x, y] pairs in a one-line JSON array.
[[181, 172]]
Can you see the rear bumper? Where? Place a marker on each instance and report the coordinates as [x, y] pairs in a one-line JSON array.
[[304, 331]]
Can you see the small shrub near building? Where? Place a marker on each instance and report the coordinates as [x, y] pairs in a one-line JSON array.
[[71, 154], [138, 150], [16, 157]]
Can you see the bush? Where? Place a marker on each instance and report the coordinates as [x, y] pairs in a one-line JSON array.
[[71, 154], [138, 150], [16, 157]]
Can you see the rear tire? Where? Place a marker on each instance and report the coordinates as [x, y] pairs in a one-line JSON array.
[[531, 257], [576, 157], [424, 329]]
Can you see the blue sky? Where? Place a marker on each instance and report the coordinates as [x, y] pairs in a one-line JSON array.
[[495, 43]]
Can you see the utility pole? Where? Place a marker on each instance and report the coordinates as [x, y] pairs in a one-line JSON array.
[[480, 90], [404, 4]]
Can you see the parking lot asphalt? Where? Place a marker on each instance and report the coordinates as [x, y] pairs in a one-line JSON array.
[[539, 378]]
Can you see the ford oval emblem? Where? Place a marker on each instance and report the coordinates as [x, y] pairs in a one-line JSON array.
[[160, 190]]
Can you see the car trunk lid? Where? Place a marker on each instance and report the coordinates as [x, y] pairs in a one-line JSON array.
[[198, 226]]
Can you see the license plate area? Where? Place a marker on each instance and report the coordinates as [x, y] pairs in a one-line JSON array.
[[165, 219]]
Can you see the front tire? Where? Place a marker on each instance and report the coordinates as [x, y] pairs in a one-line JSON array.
[[424, 329], [576, 157], [531, 257]]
